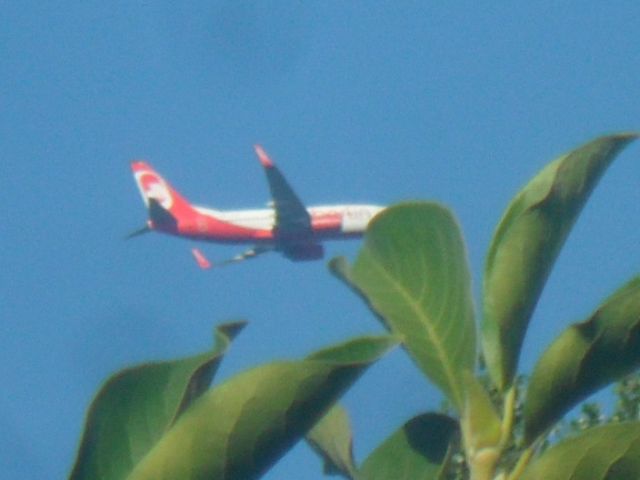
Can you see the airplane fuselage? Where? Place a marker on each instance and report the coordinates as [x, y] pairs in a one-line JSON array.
[[328, 222], [288, 226]]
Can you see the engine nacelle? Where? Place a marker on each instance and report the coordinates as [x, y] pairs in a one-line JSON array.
[[301, 253]]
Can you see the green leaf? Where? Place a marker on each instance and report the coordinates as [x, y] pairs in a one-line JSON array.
[[418, 450], [526, 245], [607, 452], [584, 358], [331, 439], [413, 273], [237, 430], [135, 407]]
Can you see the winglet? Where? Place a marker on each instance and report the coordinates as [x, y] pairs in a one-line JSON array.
[[202, 261], [263, 157]]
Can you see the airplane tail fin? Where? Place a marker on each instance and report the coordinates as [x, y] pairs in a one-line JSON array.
[[165, 205]]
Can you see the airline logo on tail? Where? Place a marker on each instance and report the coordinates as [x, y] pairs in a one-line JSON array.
[[152, 185]]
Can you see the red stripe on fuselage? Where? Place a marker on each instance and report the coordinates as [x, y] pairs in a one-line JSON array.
[[205, 227], [200, 226], [326, 222]]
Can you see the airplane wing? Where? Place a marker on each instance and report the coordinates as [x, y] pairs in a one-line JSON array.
[[205, 264], [292, 218]]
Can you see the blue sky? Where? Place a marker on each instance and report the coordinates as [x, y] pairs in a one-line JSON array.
[[371, 102]]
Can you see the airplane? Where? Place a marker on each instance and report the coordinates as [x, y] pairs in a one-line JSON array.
[[286, 226]]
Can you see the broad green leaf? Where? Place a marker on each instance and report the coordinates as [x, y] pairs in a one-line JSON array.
[[526, 245], [136, 406], [607, 452], [418, 450], [237, 430], [331, 438], [584, 358], [413, 273]]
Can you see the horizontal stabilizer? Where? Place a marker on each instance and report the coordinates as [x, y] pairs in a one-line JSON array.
[[201, 260], [137, 233]]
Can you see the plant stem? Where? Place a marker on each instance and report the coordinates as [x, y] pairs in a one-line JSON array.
[[508, 415], [483, 465], [523, 461]]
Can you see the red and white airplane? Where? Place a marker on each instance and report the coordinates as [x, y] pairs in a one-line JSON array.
[[287, 226]]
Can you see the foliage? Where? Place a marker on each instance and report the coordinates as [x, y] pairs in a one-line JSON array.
[[234, 430], [162, 421], [422, 294]]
